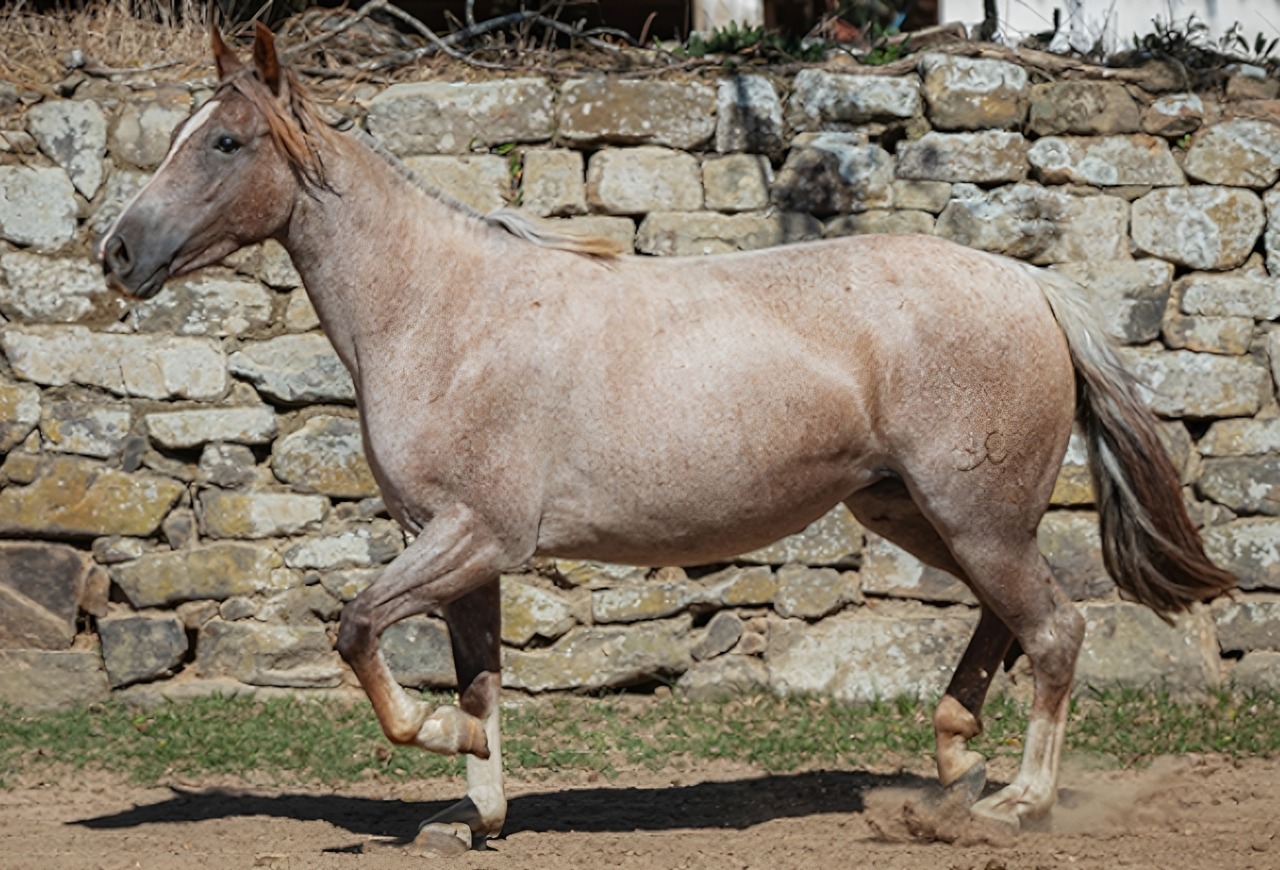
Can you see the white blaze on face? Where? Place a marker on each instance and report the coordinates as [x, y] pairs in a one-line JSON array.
[[193, 124]]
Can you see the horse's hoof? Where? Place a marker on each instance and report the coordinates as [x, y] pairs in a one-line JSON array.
[[968, 788], [999, 811], [441, 839]]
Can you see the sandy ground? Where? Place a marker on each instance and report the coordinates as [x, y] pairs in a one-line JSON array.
[[1179, 813]]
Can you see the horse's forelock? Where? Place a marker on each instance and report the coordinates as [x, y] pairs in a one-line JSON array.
[[296, 130]]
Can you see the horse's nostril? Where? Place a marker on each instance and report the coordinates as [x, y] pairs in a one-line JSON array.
[[116, 256]]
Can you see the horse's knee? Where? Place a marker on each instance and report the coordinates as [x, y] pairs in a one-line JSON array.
[[356, 635]]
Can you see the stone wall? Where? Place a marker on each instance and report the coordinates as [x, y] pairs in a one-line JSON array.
[[183, 500]]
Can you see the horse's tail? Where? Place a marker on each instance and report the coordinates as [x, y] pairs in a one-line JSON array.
[[1149, 544]]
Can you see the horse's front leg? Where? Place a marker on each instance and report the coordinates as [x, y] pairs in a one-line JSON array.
[[453, 563], [475, 626]]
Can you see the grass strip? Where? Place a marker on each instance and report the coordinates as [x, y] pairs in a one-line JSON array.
[[294, 741]]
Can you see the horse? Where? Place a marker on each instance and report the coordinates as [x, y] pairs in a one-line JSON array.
[[524, 392]]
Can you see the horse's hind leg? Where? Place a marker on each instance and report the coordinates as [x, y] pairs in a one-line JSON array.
[[1014, 578], [888, 510], [475, 633]]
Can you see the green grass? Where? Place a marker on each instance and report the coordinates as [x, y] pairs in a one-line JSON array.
[[294, 741]]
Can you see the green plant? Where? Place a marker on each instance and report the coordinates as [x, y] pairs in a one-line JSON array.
[[1259, 51], [741, 39], [885, 49], [515, 160], [1187, 41]]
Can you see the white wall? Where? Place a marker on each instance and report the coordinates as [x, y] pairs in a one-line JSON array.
[[1118, 20], [710, 14]]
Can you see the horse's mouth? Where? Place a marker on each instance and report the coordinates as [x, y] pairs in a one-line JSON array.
[[148, 288]]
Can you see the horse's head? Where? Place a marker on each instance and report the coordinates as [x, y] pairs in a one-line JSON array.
[[232, 174]]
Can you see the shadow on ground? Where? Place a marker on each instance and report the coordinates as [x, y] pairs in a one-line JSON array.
[[735, 804]]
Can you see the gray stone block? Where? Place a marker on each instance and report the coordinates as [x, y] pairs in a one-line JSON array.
[[137, 648], [454, 117], [1248, 548], [530, 611], [40, 680], [1180, 383], [1240, 152], [749, 116], [736, 182], [1248, 624], [721, 634], [217, 571], [141, 366], [19, 413], [639, 602], [603, 657], [183, 430], [603, 110], [724, 677], [890, 571], [364, 546], [973, 93], [206, 304], [834, 539], [1200, 227], [481, 181], [141, 130], [37, 207], [834, 173], [295, 369], [822, 100], [1087, 108], [864, 657], [812, 593], [88, 428], [419, 654], [553, 183], [77, 498], [1126, 645], [645, 179], [230, 514], [1037, 224], [269, 655], [1105, 161], [326, 456], [40, 289], [73, 133], [988, 157], [41, 588], [686, 234], [1131, 295]]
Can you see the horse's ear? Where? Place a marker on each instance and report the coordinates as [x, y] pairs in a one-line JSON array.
[[264, 58], [223, 57]]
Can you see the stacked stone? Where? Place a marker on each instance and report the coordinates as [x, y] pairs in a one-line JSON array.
[[184, 502]]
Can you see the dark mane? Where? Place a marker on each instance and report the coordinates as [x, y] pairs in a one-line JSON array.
[[301, 130]]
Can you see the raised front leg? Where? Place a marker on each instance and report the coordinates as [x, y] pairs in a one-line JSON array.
[[475, 632], [453, 563]]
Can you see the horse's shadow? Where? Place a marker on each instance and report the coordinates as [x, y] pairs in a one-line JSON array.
[[734, 804]]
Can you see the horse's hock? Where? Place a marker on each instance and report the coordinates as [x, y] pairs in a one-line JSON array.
[[183, 478]]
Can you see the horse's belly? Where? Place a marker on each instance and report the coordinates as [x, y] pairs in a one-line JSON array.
[[703, 515]]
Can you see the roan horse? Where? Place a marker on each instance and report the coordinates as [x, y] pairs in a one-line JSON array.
[[524, 393]]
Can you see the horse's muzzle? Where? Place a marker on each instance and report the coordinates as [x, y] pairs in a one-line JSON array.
[[119, 268]]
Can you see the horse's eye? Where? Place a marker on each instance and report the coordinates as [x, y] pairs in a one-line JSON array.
[[227, 144]]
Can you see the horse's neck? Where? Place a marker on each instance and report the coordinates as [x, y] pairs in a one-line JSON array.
[[372, 250]]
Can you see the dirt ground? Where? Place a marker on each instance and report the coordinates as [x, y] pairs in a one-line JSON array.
[[1179, 813]]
